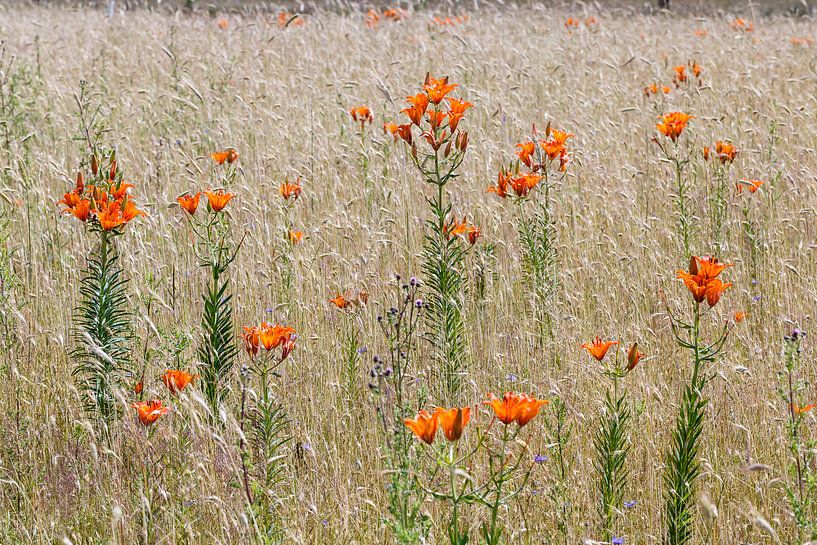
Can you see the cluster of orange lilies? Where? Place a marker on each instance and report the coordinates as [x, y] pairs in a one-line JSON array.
[[673, 124], [572, 23], [175, 381], [536, 156], [682, 74], [270, 337], [702, 279], [373, 17], [105, 203], [512, 407], [290, 191], [351, 299], [362, 115], [723, 152], [598, 349]]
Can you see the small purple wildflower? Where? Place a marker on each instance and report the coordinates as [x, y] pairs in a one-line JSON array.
[[540, 458], [617, 541], [629, 504], [511, 377]]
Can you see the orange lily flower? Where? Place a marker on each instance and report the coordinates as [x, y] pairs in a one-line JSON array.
[[423, 426], [218, 199], [176, 380], [705, 153], [295, 236], [673, 124], [702, 281], [520, 408], [288, 190], [81, 209], [150, 411], [456, 111], [743, 26], [750, 185], [435, 118], [726, 152], [230, 155], [740, 316], [598, 348], [138, 387], [340, 301], [522, 185], [222, 23], [453, 421], [436, 89], [633, 356], [570, 22], [419, 105], [109, 216], [528, 408], [798, 410], [252, 339], [362, 114], [118, 193], [526, 151], [189, 202], [273, 336], [501, 187], [680, 74], [474, 233]]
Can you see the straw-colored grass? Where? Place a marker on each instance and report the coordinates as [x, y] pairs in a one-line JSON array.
[[174, 88]]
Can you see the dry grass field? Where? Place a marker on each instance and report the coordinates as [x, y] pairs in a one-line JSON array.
[[167, 90]]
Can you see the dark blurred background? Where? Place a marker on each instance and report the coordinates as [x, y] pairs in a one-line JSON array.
[[685, 7]]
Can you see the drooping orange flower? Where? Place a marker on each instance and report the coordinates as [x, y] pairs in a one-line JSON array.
[[230, 155], [474, 233], [705, 153], [453, 421], [740, 316], [150, 411], [189, 202], [290, 190], [218, 199], [138, 387], [750, 185], [702, 279], [176, 380], [525, 153], [436, 89], [696, 69], [252, 340], [456, 111], [725, 151], [424, 426], [673, 124], [362, 114], [714, 290], [295, 236], [598, 348], [633, 356]]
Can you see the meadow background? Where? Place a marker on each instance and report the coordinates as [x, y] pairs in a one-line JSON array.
[[173, 87]]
